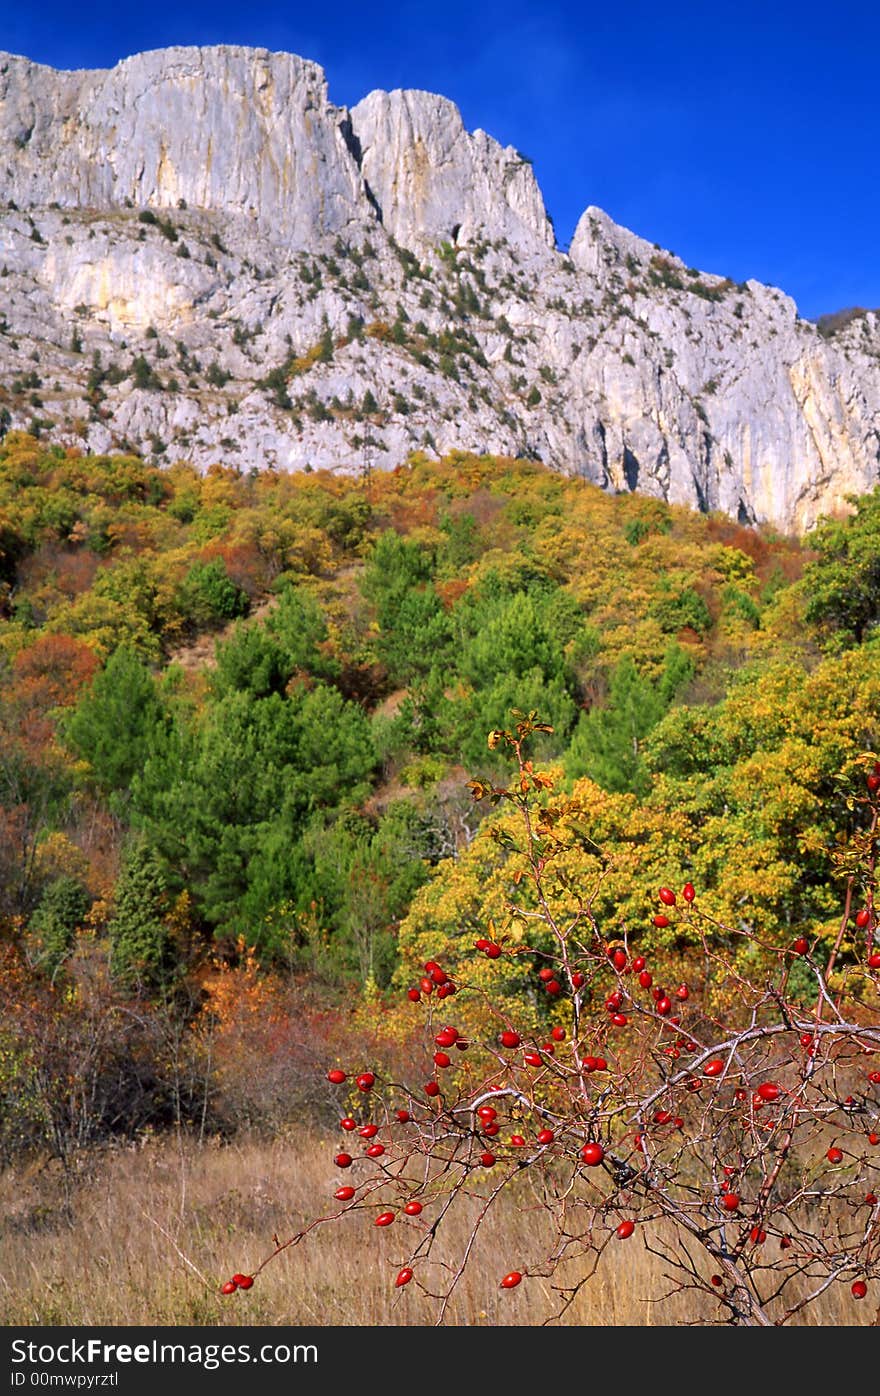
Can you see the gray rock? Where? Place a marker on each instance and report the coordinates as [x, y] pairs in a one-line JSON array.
[[203, 258]]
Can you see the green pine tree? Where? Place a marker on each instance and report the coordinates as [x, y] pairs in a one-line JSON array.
[[140, 945], [61, 910]]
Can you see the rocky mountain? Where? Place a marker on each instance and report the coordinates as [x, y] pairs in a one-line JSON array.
[[202, 257]]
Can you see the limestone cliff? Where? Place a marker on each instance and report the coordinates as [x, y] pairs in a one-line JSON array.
[[202, 257]]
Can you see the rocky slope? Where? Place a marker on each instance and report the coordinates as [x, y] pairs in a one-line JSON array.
[[202, 257]]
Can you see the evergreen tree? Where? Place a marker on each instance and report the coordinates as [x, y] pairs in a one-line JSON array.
[[608, 743], [115, 722], [140, 944], [61, 910]]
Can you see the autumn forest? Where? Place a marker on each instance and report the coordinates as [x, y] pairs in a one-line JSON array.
[[239, 717]]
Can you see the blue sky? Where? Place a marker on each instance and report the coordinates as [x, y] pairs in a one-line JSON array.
[[742, 136]]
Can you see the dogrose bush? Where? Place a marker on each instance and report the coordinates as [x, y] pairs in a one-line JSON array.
[[742, 1144]]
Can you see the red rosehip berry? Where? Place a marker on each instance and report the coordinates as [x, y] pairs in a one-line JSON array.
[[646, 979], [336, 1076], [511, 1280], [509, 1038], [834, 1155], [487, 1159], [413, 1208], [874, 960], [661, 922], [730, 1201], [801, 946], [384, 1219], [532, 1058], [442, 1060], [493, 951], [414, 995], [516, 1141], [375, 1151], [366, 1081], [859, 1289], [577, 980], [558, 1034], [688, 891], [682, 992], [768, 1090], [344, 1194], [229, 1288], [487, 1113], [626, 1229], [592, 1154], [618, 959], [368, 1131], [863, 918], [403, 1277], [343, 1160], [545, 1136], [664, 1006], [403, 1116], [245, 1281], [348, 1123], [667, 896], [432, 1088]]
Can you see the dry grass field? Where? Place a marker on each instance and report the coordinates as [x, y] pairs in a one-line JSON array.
[[108, 1248]]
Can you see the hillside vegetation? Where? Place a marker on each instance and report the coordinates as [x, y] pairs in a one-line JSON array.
[[238, 716]]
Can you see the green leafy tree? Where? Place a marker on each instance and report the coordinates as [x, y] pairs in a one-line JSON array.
[[677, 607], [226, 799], [208, 595], [53, 926], [116, 721], [414, 628], [141, 948], [298, 625], [608, 745], [842, 586], [250, 661], [366, 874]]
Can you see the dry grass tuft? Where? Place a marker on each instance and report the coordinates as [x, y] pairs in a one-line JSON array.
[[92, 1252]]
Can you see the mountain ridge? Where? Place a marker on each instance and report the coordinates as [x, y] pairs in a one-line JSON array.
[[273, 280]]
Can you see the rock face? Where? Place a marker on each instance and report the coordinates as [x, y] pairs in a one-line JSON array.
[[203, 258], [232, 130], [434, 181]]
